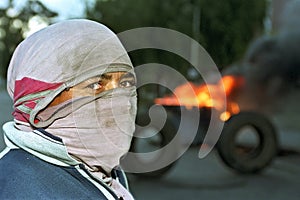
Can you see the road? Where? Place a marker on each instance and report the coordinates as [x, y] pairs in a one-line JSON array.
[[208, 178], [193, 179]]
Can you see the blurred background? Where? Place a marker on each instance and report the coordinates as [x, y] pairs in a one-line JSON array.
[[224, 30], [257, 40]]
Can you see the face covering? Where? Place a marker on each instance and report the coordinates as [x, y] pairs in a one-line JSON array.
[[59, 57], [99, 132]]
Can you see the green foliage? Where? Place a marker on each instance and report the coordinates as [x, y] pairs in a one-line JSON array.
[[225, 28], [13, 24], [228, 27]]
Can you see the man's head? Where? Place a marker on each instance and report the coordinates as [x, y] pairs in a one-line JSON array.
[[51, 65], [75, 80]]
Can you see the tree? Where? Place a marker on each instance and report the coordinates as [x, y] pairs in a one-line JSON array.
[[225, 28], [230, 26], [14, 22], [129, 14]]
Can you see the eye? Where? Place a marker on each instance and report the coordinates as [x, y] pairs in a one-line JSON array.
[[127, 80], [95, 86], [127, 83]]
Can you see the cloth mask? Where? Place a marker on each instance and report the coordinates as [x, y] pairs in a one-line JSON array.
[[99, 132]]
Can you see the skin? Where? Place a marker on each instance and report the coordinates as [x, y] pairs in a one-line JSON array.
[[96, 85]]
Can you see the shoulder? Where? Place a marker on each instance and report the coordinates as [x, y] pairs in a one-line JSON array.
[[41, 179]]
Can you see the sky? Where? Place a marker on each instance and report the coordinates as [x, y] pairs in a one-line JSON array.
[[65, 8]]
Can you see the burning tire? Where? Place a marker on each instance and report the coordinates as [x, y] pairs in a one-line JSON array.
[[248, 142]]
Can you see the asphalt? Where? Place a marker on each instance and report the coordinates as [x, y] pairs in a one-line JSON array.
[[208, 178]]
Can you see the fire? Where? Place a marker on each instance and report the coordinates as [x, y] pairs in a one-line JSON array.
[[206, 95], [225, 116]]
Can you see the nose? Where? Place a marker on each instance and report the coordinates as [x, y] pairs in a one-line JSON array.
[[114, 83]]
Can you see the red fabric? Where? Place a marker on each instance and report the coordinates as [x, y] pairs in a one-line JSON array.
[[27, 86]]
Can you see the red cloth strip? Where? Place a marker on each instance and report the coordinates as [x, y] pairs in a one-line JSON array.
[[22, 89]]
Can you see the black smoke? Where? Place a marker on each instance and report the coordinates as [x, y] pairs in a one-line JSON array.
[[272, 63]]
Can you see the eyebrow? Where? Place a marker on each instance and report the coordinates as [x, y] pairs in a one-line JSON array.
[[128, 75], [106, 76]]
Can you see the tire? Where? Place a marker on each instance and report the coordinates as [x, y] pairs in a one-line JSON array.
[[248, 156], [158, 141]]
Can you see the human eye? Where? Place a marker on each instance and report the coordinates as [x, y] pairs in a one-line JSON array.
[[96, 85], [127, 80], [127, 84]]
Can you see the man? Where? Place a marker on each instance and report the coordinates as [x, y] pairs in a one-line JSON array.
[[74, 94]]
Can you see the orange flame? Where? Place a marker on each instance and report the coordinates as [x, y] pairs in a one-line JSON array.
[[205, 95]]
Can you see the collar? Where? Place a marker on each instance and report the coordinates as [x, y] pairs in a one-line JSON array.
[[39, 143]]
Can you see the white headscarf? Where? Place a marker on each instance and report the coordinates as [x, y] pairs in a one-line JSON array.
[[57, 57], [96, 130]]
